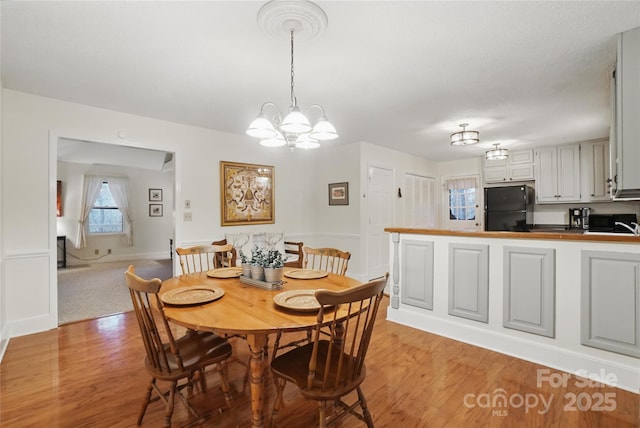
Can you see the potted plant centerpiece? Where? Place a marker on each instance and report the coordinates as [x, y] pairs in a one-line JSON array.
[[257, 263], [273, 266], [246, 264]]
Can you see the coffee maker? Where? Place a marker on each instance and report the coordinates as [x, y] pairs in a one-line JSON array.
[[579, 218]]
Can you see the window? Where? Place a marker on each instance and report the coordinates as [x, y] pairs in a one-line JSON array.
[[462, 204], [105, 217]]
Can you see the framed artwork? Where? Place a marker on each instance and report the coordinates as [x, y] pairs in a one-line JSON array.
[[246, 194], [155, 210], [339, 193], [155, 195]]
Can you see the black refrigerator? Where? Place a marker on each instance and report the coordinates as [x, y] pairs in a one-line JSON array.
[[508, 208]]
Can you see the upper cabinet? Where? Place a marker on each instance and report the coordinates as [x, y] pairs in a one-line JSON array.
[[596, 179], [517, 167], [627, 112], [558, 174]]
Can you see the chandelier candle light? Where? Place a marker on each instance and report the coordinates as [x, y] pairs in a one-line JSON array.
[[295, 129], [464, 137], [496, 153]]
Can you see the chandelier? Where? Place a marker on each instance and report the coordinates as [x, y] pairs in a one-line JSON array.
[[496, 153], [295, 129], [464, 137]]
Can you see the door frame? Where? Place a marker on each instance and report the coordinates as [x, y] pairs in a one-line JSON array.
[[54, 136]]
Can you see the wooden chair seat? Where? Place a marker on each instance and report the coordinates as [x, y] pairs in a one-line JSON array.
[[294, 366], [195, 350]]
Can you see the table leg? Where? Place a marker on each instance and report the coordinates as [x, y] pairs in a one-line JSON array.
[[257, 343]]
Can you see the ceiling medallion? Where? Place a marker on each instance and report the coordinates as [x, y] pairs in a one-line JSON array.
[[278, 17]]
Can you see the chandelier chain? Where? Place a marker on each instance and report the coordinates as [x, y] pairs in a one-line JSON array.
[[293, 129], [293, 95]]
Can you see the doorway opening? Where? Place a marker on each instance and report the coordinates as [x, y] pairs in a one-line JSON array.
[[89, 283]]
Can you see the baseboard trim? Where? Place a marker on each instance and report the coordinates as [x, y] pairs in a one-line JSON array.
[[4, 343], [32, 325], [161, 255]]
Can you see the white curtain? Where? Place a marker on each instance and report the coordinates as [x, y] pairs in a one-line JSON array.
[[119, 188], [461, 183], [90, 191]]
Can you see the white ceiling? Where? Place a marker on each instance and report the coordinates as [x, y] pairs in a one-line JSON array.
[[400, 74]]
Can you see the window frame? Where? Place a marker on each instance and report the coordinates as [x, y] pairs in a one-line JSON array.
[[122, 230]]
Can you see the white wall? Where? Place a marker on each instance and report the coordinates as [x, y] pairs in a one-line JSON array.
[[336, 226], [32, 125], [28, 226], [150, 234]]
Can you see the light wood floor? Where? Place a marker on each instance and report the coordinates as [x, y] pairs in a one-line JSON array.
[[90, 374]]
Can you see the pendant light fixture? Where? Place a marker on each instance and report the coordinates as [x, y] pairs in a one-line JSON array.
[[295, 130], [496, 153], [464, 137]]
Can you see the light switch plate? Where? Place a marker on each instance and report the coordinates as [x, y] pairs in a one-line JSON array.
[[187, 216], [187, 204]]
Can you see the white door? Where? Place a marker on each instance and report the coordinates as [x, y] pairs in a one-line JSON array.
[[420, 201], [462, 203], [380, 210]]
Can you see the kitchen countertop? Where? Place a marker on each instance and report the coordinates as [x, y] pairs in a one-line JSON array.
[[538, 233]]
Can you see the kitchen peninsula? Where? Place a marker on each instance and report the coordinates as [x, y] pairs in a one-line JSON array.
[[569, 301]]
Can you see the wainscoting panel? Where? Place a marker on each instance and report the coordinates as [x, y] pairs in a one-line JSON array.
[[417, 273], [610, 301], [469, 281], [529, 290]]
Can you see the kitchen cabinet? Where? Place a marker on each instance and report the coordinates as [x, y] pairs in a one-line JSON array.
[[595, 169], [610, 308], [627, 111], [558, 174], [517, 167]]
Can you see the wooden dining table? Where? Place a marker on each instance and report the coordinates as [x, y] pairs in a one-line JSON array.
[[249, 311]]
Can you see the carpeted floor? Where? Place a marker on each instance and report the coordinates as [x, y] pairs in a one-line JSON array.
[[95, 290]]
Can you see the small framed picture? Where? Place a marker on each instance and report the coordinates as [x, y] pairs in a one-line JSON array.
[[339, 193], [155, 195], [155, 210]]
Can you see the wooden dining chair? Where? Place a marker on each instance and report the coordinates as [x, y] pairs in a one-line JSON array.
[[180, 362], [329, 260], [327, 369], [201, 258]]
